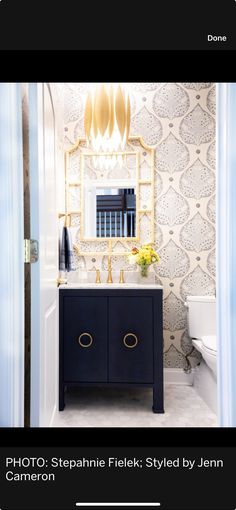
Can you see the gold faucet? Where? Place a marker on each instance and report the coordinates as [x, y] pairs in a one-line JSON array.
[[98, 279], [122, 280], [109, 276]]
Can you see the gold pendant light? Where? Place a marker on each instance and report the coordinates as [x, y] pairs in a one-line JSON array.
[[107, 120]]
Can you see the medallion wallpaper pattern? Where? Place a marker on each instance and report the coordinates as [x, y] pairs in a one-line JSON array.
[[178, 119]]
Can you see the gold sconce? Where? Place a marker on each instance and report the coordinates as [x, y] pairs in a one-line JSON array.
[[107, 123]]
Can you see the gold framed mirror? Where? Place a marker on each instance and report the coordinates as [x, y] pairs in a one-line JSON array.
[[110, 204]]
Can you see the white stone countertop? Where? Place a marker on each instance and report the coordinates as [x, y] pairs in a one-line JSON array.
[[110, 286]]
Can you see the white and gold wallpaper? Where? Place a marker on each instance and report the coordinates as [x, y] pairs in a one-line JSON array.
[[178, 120]]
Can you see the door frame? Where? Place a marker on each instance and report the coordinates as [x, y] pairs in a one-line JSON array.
[[226, 252], [12, 340]]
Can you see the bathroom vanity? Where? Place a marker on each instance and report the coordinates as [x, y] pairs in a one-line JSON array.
[[111, 335]]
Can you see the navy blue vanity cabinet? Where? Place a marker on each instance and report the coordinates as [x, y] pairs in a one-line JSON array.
[[85, 339], [111, 337], [131, 339]]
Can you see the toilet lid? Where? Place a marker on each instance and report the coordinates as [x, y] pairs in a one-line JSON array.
[[210, 342]]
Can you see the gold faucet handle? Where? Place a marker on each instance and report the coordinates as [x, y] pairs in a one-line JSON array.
[[61, 281], [98, 279], [122, 280], [109, 276]]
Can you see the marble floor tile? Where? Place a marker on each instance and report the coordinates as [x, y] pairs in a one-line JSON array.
[[106, 407]]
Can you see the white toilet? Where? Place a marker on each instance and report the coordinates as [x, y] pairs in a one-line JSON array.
[[202, 329], [207, 347]]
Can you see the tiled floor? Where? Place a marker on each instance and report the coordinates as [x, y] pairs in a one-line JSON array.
[[90, 407]]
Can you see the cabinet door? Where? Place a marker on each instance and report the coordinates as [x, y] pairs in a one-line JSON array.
[[85, 339], [130, 340]]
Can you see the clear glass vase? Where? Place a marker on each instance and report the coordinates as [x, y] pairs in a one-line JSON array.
[[144, 270]]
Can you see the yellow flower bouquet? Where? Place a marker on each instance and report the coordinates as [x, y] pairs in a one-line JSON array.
[[144, 257]]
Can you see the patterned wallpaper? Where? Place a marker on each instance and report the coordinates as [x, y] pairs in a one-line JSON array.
[[178, 119]]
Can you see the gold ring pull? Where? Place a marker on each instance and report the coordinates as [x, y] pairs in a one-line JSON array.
[[135, 340], [90, 340]]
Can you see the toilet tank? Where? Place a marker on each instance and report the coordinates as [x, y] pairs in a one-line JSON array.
[[201, 315]]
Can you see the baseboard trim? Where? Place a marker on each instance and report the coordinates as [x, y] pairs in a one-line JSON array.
[[178, 376]]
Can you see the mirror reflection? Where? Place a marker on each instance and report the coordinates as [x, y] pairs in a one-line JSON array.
[[110, 192], [110, 212]]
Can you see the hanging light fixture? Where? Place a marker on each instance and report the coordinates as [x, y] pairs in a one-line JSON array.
[[107, 122]]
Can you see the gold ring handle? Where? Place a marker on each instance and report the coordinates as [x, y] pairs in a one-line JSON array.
[[80, 340], [135, 340]]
